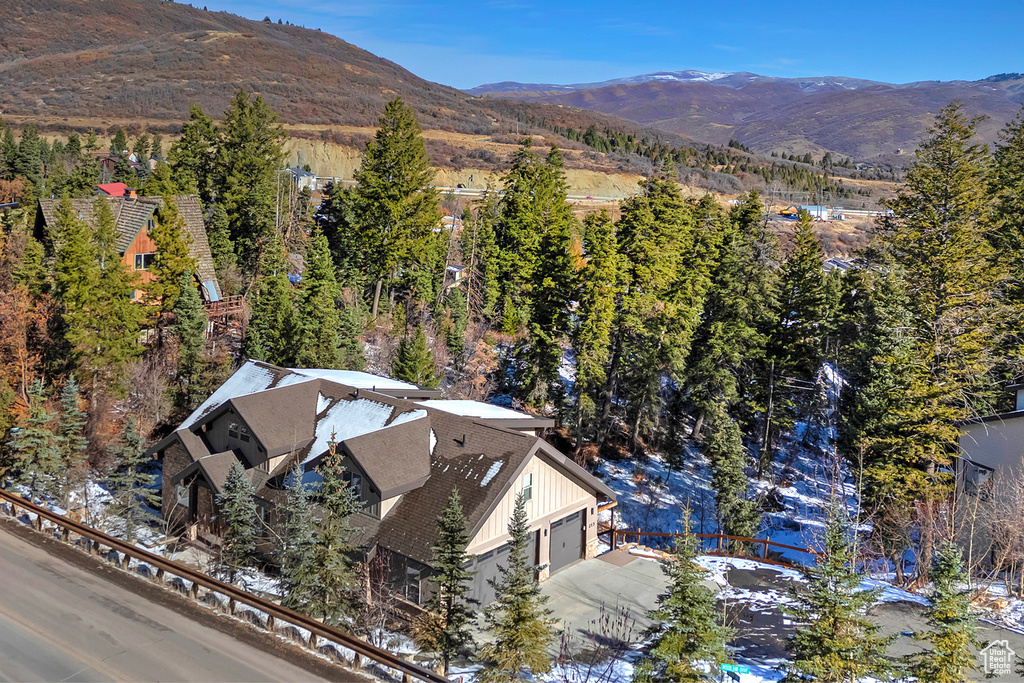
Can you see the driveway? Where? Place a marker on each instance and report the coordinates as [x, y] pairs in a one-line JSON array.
[[610, 596], [614, 585]]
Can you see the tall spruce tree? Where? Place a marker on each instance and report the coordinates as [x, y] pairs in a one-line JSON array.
[[551, 288], [937, 231], [737, 515], [394, 207], [730, 340], [237, 503], [173, 259], [189, 327], [131, 486], [36, 447], [318, 309], [951, 626], [109, 336], [193, 156], [598, 286], [298, 574], [666, 264], [796, 345], [248, 157], [272, 332], [414, 361], [518, 620], [835, 642], [119, 143], [688, 640], [445, 628], [72, 443]]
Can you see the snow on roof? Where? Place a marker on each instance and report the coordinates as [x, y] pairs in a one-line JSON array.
[[467, 408], [492, 472], [348, 419], [249, 379], [351, 378]]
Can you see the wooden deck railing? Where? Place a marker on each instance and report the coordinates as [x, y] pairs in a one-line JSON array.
[[229, 305], [721, 544]]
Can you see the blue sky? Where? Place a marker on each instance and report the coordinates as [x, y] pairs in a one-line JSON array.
[[464, 44]]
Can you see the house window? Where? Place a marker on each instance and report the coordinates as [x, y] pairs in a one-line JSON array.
[[233, 430], [975, 477], [150, 224], [355, 481], [244, 432], [181, 494], [528, 486], [411, 588], [144, 261]]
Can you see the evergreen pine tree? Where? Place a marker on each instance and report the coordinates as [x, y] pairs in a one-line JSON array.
[[318, 309], [938, 232], [550, 287], [109, 338], [72, 443], [173, 261], [444, 628], [394, 206], [796, 345], [414, 362], [730, 341], [29, 160], [237, 503], [738, 516], [336, 494], [119, 143], [459, 316], [190, 322], [689, 643], [248, 158], [598, 288], [271, 334], [297, 538], [518, 620], [222, 249], [834, 641], [131, 487], [36, 447], [951, 632], [193, 156]]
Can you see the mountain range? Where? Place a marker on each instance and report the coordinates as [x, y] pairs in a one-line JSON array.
[[852, 117]]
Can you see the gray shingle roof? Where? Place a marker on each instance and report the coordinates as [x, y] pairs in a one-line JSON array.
[[132, 213], [421, 452]]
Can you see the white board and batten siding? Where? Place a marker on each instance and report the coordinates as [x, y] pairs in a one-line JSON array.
[[554, 496]]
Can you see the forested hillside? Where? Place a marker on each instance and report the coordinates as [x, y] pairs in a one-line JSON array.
[[680, 328]]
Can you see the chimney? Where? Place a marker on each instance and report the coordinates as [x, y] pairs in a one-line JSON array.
[[131, 193]]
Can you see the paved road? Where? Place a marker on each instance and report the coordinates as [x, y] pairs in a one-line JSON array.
[[62, 620]]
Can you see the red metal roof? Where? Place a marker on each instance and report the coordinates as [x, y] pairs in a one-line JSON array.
[[114, 189]]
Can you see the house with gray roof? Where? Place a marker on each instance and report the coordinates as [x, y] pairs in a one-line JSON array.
[[136, 216], [405, 450]]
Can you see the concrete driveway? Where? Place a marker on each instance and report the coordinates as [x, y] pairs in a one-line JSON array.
[[609, 597], [624, 586]]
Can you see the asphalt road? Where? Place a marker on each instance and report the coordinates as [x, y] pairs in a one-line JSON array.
[[69, 618]]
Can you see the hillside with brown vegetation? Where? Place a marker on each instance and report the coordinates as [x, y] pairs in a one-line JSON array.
[[784, 115]]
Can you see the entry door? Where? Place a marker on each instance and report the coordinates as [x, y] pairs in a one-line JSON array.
[[566, 540]]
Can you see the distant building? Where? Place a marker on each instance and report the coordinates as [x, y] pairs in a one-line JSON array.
[[136, 217], [818, 213]]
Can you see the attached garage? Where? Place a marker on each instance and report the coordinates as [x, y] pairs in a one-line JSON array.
[[486, 567], [566, 540]]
